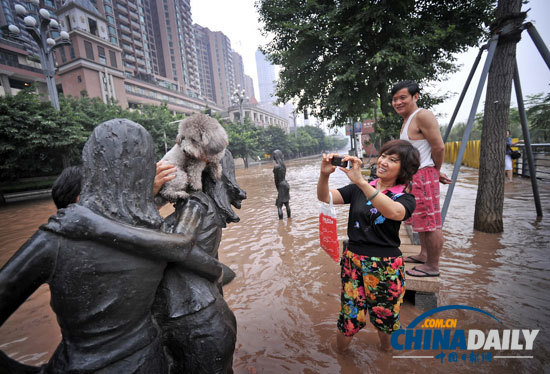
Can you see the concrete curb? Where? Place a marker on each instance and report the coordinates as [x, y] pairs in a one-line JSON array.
[[29, 195]]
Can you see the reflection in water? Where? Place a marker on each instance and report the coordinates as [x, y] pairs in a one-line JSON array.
[[286, 294]]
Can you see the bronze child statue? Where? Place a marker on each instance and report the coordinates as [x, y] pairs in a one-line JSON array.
[[283, 189]]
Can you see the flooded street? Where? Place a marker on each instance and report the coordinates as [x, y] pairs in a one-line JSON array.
[[286, 294]]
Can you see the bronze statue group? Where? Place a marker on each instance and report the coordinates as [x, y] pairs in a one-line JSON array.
[[133, 292]]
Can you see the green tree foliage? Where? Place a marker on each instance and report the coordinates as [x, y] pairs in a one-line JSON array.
[[538, 117], [249, 140], [273, 138], [34, 138], [244, 139], [161, 124], [338, 58], [316, 134]]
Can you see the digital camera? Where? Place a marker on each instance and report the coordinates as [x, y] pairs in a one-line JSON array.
[[337, 161]]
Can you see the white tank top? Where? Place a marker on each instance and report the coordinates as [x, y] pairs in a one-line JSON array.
[[422, 145]]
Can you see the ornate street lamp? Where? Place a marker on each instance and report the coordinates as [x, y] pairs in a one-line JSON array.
[[238, 97], [41, 33]]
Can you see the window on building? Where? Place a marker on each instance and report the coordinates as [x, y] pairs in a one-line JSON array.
[[62, 54], [79, 79], [89, 50], [101, 55], [112, 57], [93, 26], [69, 27]]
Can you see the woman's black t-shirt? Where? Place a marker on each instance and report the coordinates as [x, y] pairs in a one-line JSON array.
[[369, 232]]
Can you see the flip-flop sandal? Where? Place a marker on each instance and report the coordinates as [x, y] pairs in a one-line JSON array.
[[411, 260], [424, 273]]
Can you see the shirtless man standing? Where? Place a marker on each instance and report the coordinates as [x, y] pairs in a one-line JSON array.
[[420, 127]]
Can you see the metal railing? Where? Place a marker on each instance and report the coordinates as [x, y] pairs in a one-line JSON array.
[[541, 156]]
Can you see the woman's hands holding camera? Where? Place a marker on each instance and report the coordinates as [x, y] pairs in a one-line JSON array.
[[327, 167], [353, 173], [331, 160]]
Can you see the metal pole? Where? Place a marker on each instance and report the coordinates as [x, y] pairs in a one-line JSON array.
[[241, 109], [539, 43], [48, 66], [491, 51], [527, 139], [464, 90]]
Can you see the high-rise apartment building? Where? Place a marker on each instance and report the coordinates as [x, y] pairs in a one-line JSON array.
[[266, 78], [129, 24], [204, 62], [222, 72], [249, 86], [157, 40], [238, 68]]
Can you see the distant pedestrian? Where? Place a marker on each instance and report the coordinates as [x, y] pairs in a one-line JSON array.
[[508, 166]]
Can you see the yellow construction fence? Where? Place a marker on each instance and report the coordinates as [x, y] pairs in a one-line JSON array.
[[471, 156]]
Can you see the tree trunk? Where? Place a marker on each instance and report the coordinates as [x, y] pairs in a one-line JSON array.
[[245, 159], [490, 193]]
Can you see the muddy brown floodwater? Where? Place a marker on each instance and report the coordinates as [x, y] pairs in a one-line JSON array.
[[286, 294]]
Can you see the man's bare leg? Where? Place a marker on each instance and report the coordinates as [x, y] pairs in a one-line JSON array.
[[432, 241], [421, 257]]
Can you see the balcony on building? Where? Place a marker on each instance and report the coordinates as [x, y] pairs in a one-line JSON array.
[[125, 37], [121, 8]]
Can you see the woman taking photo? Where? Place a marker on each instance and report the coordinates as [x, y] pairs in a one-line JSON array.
[[373, 280]]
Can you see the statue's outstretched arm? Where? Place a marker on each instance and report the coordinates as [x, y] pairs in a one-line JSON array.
[[31, 266], [77, 221]]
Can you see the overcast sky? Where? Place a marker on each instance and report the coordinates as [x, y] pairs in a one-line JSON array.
[[238, 20]]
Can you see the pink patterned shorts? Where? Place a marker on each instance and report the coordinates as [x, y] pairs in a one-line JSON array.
[[425, 188]]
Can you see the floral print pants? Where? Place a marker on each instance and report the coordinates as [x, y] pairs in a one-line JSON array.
[[370, 284]]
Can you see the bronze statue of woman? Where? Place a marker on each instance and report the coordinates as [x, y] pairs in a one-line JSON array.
[[283, 189]]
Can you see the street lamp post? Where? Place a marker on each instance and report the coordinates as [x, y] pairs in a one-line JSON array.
[[293, 116], [238, 97], [46, 44]]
